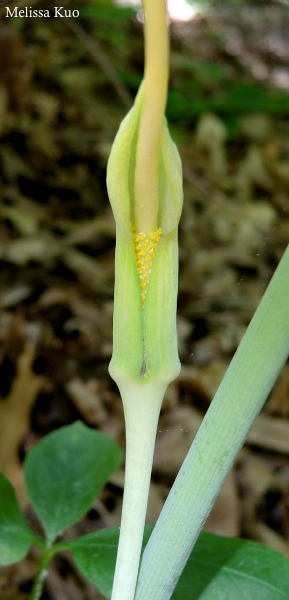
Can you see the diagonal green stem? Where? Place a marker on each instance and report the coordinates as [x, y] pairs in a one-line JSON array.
[[241, 395], [41, 576]]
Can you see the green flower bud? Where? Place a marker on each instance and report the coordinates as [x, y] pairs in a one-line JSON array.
[[144, 332]]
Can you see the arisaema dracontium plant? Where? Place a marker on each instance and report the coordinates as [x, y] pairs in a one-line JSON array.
[[144, 182], [145, 190]]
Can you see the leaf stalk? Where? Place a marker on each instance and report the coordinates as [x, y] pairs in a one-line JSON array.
[[241, 395], [42, 573]]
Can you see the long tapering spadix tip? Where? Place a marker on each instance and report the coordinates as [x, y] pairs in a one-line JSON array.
[[145, 246]]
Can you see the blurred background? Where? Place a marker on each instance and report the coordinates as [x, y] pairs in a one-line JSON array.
[[65, 85]]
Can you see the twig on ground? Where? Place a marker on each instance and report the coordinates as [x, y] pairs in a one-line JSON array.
[[102, 60]]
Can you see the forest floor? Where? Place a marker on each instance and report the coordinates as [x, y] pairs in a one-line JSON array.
[[65, 85]]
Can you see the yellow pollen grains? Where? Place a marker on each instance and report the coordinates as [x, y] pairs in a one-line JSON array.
[[145, 246]]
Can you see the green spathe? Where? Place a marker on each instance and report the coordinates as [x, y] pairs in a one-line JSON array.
[[145, 357], [145, 341]]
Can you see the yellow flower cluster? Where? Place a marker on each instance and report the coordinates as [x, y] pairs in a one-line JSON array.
[[145, 246]]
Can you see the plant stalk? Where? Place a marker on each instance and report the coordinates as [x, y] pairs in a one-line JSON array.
[[41, 576], [152, 117], [241, 395], [142, 404]]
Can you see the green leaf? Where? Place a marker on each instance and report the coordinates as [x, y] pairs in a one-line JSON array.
[[15, 535], [218, 569], [95, 556], [225, 568], [251, 98], [106, 13], [66, 471]]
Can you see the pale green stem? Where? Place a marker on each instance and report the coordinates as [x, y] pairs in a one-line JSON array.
[[41, 576], [152, 116], [245, 387], [142, 404]]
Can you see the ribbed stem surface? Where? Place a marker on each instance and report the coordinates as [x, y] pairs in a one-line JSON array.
[[240, 397]]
